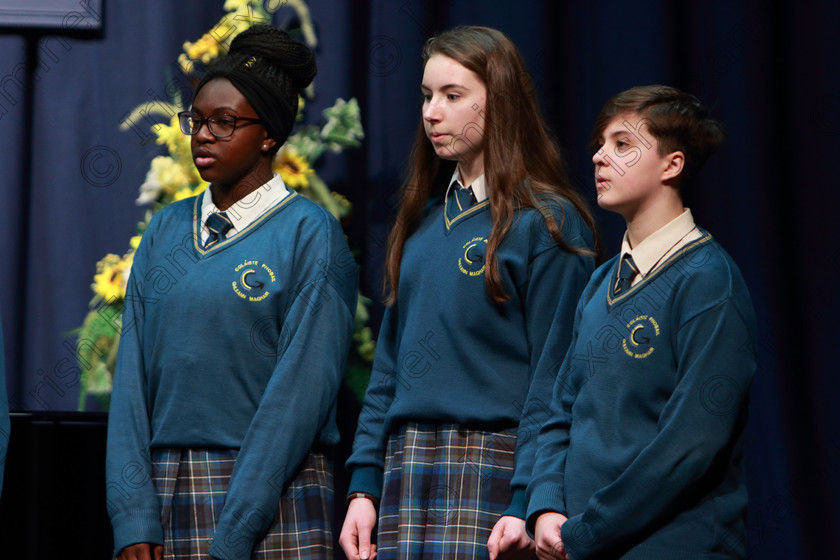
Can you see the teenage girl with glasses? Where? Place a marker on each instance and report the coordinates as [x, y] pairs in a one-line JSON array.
[[238, 317]]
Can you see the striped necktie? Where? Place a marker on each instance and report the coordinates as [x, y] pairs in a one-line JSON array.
[[465, 197], [460, 199], [626, 272], [218, 224]]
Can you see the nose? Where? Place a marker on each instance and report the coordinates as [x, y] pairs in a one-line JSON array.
[[203, 133], [599, 157], [431, 111]]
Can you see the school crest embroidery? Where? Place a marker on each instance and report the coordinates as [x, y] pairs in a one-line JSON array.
[[643, 331], [253, 280], [471, 262]]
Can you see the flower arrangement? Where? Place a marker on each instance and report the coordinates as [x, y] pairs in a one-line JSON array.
[[173, 176]]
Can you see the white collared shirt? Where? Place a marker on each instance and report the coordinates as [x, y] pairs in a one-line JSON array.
[[661, 244], [479, 186], [246, 210]]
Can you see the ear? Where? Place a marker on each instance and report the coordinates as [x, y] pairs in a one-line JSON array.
[[268, 144], [674, 163]]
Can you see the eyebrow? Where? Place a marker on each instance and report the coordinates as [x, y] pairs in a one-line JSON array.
[[618, 132], [215, 110], [424, 87], [613, 134]]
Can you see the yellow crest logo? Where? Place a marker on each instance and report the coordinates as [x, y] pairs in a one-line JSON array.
[[643, 331], [253, 280], [472, 262]]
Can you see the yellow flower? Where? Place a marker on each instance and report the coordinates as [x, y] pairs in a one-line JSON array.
[[236, 5], [293, 168], [112, 276], [205, 49], [134, 242], [250, 12], [175, 141], [301, 107], [186, 64], [342, 200], [170, 174], [366, 345], [188, 191]]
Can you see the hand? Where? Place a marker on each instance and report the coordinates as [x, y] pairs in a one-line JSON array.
[[357, 529], [510, 540], [548, 538], [141, 551]]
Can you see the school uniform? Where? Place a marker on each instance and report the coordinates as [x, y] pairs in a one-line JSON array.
[[643, 450], [231, 356], [460, 383]]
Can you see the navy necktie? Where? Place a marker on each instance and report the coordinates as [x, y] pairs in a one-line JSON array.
[[460, 199], [626, 272], [218, 224], [465, 197]]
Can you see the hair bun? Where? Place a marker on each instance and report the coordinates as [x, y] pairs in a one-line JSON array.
[[292, 57]]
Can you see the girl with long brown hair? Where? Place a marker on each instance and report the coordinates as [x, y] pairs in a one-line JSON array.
[[489, 253]]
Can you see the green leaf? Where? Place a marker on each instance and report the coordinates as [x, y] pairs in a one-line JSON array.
[[344, 125]]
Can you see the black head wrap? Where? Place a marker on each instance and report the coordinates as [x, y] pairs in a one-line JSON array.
[[270, 69]]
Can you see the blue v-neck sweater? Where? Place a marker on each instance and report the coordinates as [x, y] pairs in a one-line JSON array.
[[643, 451], [447, 353], [241, 346]]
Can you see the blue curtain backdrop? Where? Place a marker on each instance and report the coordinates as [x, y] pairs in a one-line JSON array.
[[70, 177]]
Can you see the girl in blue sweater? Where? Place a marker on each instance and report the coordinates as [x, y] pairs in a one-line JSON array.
[[239, 312], [485, 263]]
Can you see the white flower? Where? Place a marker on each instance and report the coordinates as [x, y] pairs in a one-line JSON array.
[[150, 189]]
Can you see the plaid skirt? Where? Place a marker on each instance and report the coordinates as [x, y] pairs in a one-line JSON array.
[[444, 489], [192, 485]]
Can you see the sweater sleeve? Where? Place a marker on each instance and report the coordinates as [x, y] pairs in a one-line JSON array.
[[545, 489], [296, 403], [367, 461], [556, 279], [716, 361], [131, 497]]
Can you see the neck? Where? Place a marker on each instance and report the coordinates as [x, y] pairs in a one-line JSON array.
[[472, 170], [650, 219], [226, 195]]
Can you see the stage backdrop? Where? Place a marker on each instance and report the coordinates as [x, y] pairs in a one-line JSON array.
[[70, 177]]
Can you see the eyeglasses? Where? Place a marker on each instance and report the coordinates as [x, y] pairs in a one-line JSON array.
[[220, 125]]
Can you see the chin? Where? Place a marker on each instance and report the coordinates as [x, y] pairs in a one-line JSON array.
[[205, 173], [213, 177], [610, 205], [603, 200], [442, 152]]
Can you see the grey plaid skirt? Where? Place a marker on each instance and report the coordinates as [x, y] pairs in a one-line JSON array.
[[444, 489], [192, 485]]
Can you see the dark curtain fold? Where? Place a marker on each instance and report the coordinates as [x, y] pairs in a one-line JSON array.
[[769, 73]]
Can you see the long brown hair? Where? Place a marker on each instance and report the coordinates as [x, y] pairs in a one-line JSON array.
[[522, 162]]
